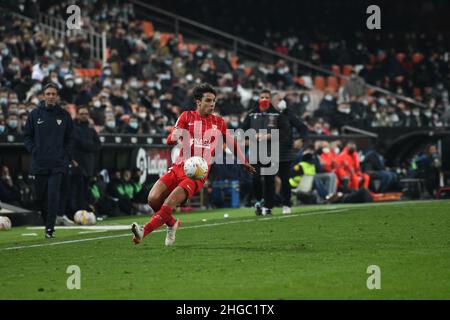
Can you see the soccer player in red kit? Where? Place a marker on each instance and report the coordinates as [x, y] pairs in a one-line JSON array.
[[194, 129]]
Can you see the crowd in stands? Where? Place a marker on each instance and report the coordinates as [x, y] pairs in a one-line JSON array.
[[147, 83]]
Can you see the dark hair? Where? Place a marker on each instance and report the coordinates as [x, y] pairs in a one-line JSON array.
[[51, 85], [202, 89], [265, 91]]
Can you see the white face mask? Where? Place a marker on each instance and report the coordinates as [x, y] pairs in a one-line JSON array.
[[337, 150], [326, 150], [329, 97], [282, 105], [97, 104], [143, 115]]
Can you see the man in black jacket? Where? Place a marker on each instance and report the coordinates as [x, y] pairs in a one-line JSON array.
[[86, 145], [263, 116], [287, 121], [48, 137]]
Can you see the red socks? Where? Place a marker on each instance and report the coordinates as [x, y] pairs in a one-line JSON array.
[[164, 215]]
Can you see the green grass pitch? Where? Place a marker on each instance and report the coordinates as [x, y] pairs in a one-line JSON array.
[[318, 252]]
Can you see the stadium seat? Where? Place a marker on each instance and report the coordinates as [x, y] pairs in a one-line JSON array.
[[148, 29], [319, 83], [332, 84], [336, 69], [400, 57], [417, 57], [347, 69]]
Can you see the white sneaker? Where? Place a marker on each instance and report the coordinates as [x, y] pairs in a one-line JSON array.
[[286, 210], [138, 233], [266, 211], [171, 231]]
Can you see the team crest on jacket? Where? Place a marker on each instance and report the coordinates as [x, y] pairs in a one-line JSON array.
[[59, 121]]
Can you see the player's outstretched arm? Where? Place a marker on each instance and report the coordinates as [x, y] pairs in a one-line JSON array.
[[177, 130]]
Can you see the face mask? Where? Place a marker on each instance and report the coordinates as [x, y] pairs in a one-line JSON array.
[[5, 52], [125, 96], [97, 103], [12, 124], [305, 99], [143, 115], [118, 82], [107, 72], [337, 150], [264, 104], [428, 114], [329, 97], [134, 84], [35, 101], [407, 113], [107, 84], [2, 128], [69, 84], [326, 150], [78, 81], [111, 124], [319, 131], [346, 110], [416, 113], [58, 54], [156, 105], [282, 105], [54, 80], [4, 101], [134, 125], [234, 124]]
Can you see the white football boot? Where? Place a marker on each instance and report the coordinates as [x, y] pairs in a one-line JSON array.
[[138, 233], [171, 232]]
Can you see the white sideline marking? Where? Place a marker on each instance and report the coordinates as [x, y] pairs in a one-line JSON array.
[[105, 228], [88, 232], [163, 230], [29, 234]]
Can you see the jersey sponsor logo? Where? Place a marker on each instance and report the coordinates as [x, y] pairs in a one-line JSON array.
[[201, 143], [40, 121], [59, 121]]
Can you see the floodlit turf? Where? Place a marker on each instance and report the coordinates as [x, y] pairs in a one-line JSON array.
[[319, 252]]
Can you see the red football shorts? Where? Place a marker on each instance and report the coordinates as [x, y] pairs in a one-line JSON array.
[[175, 177]]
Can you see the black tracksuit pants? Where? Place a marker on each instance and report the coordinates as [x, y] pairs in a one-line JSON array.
[[264, 187], [48, 197]]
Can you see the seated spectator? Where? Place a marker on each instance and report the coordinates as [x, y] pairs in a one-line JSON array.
[[9, 192], [374, 166], [349, 171]]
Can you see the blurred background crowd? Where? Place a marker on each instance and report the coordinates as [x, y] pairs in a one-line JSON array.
[[147, 80]]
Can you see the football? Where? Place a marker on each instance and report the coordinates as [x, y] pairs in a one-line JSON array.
[[85, 218], [5, 223], [195, 168]]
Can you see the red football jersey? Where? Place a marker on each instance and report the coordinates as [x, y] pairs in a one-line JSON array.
[[203, 136]]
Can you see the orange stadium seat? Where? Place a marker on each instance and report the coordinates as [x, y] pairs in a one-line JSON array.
[[332, 83], [148, 29], [336, 69], [400, 57], [417, 57], [234, 62], [319, 82], [89, 73], [347, 69]]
